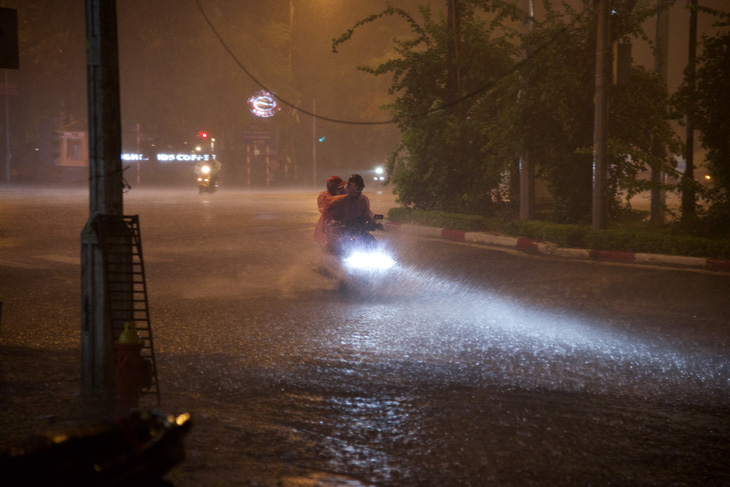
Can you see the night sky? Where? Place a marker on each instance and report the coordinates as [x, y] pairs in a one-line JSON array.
[[178, 78]]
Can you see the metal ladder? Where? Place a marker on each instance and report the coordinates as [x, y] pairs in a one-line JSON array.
[[126, 286]]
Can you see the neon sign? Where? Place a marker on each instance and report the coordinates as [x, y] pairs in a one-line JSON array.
[[185, 157], [263, 104], [128, 157]]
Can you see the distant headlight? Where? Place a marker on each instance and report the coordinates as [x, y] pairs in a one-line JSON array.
[[369, 261], [205, 169]]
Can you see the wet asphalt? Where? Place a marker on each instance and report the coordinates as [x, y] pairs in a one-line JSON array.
[[468, 366]]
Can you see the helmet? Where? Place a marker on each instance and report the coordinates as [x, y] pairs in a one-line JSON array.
[[334, 182], [356, 179]]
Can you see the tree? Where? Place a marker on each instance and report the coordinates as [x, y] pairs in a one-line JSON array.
[[444, 108], [711, 99], [458, 143], [557, 110]]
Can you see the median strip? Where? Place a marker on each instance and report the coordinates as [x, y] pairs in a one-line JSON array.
[[546, 248]]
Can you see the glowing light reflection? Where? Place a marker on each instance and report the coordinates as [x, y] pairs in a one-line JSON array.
[[489, 338]]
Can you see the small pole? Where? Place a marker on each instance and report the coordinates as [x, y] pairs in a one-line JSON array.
[[248, 166], [8, 154], [139, 169], [314, 142]]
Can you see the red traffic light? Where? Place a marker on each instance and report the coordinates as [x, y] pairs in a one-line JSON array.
[[203, 134]]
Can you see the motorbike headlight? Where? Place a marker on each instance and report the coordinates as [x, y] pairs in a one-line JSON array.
[[369, 261], [205, 169]]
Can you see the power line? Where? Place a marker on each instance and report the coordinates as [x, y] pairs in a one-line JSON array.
[[262, 85], [462, 98]]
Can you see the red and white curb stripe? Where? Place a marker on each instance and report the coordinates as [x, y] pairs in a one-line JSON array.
[[545, 248]]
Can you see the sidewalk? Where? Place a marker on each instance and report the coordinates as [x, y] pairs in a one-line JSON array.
[[546, 248]]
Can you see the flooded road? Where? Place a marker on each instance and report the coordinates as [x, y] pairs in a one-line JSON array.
[[470, 366]]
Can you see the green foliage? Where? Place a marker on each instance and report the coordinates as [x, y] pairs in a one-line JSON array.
[[639, 123], [449, 158], [557, 115], [466, 114], [467, 223]]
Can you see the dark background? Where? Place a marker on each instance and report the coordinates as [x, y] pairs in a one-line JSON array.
[[177, 79]]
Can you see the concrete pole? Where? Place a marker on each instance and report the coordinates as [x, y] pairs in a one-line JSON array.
[[8, 153], [291, 34], [453, 81], [600, 132], [688, 179], [660, 66], [527, 165], [139, 153], [105, 193]]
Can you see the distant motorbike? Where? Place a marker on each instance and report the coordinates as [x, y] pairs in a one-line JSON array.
[[207, 180], [356, 259]]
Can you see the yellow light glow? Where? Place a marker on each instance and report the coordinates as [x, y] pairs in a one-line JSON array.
[[182, 419]]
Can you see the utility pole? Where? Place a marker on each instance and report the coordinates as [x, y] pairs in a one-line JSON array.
[[660, 66], [453, 18], [291, 33], [527, 165], [688, 179], [105, 193], [8, 153], [139, 154], [601, 117], [314, 142], [9, 59]]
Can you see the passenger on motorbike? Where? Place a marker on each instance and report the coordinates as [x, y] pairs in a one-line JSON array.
[[335, 187], [354, 208]]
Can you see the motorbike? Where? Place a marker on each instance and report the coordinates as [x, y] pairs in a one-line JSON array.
[[356, 259], [207, 180]]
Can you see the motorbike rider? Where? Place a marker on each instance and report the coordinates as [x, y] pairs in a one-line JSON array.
[[350, 209], [353, 208], [213, 167], [335, 187]]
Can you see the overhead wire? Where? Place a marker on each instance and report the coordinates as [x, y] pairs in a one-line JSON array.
[[444, 106]]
